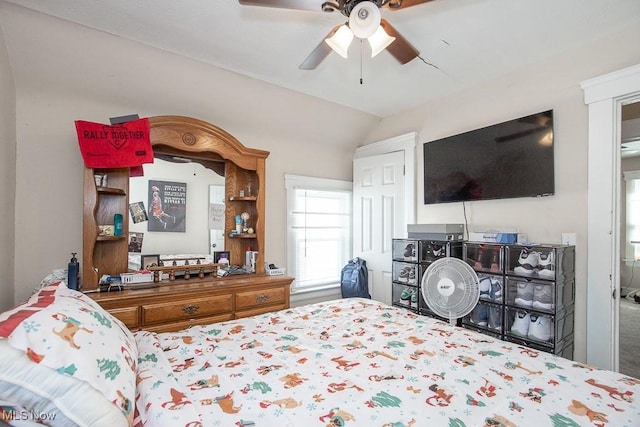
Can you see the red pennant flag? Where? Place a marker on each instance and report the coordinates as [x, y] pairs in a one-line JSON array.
[[114, 146]]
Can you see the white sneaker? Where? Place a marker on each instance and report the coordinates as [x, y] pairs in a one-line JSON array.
[[480, 315], [542, 297], [524, 294], [527, 263], [547, 266], [540, 328], [495, 317], [521, 324], [496, 290], [404, 275], [485, 287]]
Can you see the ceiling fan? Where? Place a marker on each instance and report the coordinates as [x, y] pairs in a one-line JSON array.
[[364, 22]]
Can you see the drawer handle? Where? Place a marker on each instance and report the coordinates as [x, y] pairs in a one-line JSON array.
[[262, 298], [190, 309]]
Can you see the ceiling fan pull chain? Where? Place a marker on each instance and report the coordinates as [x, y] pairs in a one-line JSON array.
[[360, 61]]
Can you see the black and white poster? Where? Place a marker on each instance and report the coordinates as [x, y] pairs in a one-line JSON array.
[[167, 206]]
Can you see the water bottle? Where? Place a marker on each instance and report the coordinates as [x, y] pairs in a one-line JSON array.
[[73, 272], [117, 225]]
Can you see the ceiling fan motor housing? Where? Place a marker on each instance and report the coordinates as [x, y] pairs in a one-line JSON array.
[[346, 6], [364, 19]]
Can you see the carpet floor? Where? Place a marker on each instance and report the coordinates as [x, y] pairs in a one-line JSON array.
[[629, 338]]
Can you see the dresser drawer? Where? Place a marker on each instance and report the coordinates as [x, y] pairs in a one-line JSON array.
[[127, 315], [260, 298], [186, 309], [184, 324], [260, 310]]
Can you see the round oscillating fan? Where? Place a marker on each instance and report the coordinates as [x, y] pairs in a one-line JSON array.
[[450, 288]]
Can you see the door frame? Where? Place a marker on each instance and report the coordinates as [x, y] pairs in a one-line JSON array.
[[605, 95], [407, 143]]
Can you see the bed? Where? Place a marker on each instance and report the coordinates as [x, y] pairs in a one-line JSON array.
[[348, 362]]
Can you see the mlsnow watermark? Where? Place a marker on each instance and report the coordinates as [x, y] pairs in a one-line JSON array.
[[26, 415]]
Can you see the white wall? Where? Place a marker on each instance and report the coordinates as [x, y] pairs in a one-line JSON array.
[[7, 177], [66, 72], [551, 84]]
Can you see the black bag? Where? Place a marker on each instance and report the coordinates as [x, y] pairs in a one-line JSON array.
[[355, 279]]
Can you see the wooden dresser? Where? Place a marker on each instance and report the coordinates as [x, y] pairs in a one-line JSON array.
[[177, 305]]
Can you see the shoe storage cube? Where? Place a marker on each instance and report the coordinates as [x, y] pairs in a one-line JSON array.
[[424, 251], [406, 250], [530, 325], [485, 257], [405, 272], [491, 287], [545, 262], [550, 297], [405, 296], [485, 315], [562, 330]]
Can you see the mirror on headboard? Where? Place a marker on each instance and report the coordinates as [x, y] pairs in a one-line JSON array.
[[185, 226]]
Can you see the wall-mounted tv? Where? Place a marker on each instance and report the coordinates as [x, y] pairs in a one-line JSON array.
[[506, 160]]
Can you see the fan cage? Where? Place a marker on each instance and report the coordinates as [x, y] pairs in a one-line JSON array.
[[437, 279]]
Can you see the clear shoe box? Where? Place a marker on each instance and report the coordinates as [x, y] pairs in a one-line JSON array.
[[546, 262], [540, 295], [531, 327], [486, 316], [413, 250], [406, 273], [484, 257], [405, 295]]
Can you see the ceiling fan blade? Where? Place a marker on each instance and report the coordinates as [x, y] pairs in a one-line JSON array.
[[314, 5], [319, 53], [401, 49], [402, 4]]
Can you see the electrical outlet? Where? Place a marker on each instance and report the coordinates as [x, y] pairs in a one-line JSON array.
[[569, 239]]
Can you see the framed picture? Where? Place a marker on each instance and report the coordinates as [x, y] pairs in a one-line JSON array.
[[147, 261], [220, 254], [135, 242]]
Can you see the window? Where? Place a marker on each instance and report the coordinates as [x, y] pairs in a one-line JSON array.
[[318, 231]]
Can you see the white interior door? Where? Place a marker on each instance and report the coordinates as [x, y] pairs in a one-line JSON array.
[[378, 216]]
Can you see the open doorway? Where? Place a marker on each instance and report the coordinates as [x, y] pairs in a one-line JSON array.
[[629, 303], [605, 95]]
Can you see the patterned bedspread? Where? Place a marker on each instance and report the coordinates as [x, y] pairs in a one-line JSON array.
[[357, 362]]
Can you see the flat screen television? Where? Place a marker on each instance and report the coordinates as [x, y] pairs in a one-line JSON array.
[[506, 160]]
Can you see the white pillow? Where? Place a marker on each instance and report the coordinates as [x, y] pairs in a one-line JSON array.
[[68, 345]]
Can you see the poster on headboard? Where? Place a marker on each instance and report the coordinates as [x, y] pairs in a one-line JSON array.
[[167, 206]]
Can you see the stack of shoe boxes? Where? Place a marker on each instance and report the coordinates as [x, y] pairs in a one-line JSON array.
[[487, 260], [527, 294], [411, 258]]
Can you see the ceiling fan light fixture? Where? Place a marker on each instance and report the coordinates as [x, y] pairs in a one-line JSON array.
[[379, 41], [364, 19], [341, 40]]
